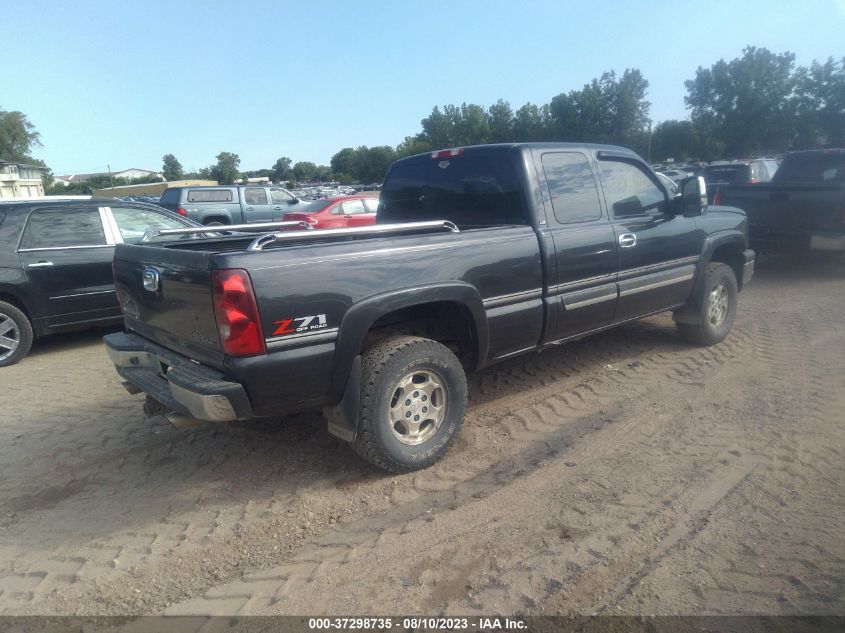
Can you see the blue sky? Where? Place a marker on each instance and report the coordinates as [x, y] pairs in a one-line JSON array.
[[123, 83]]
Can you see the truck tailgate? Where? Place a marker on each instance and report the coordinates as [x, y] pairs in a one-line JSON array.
[[786, 207], [166, 296]]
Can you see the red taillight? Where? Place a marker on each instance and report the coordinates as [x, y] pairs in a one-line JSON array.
[[754, 181], [311, 220], [182, 211], [447, 153], [717, 198], [236, 313]]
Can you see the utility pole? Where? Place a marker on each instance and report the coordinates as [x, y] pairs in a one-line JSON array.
[[649, 142], [111, 178]]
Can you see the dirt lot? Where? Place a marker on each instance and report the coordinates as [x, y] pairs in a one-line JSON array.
[[624, 474]]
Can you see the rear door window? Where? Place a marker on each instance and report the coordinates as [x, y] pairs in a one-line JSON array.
[[572, 187], [63, 228], [210, 195], [255, 195], [371, 204], [353, 207]]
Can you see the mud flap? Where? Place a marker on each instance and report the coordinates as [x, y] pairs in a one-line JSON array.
[[343, 417]]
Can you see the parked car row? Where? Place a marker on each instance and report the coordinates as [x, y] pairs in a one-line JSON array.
[[56, 264]]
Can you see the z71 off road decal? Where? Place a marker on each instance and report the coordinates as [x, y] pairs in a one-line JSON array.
[[300, 324]]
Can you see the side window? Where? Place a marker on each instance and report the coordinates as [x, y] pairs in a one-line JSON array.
[[62, 228], [255, 195], [133, 222], [371, 204], [170, 196], [572, 187], [210, 195], [278, 196], [628, 190], [353, 207]]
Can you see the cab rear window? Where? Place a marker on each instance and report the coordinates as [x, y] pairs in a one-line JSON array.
[[475, 188], [210, 195]]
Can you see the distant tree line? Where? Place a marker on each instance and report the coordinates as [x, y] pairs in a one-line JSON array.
[[758, 103]]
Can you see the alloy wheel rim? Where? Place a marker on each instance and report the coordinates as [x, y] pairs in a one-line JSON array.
[[417, 406], [718, 303], [10, 336]]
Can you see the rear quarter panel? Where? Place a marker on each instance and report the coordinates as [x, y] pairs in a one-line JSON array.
[[323, 298]]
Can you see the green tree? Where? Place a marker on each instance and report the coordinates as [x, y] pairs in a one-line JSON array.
[[304, 170], [413, 145], [501, 119], [18, 136], [821, 104], [171, 168], [282, 169], [532, 123], [749, 103], [608, 109], [344, 164], [375, 163], [226, 171]]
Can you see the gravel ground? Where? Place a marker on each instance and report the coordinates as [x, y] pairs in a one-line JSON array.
[[628, 473]]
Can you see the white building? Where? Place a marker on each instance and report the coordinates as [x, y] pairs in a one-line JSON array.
[[20, 180], [128, 174]]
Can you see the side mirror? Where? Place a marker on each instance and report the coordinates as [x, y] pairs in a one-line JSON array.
[[693, 196]]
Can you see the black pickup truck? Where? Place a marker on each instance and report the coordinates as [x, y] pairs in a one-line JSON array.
[[479, 254], [803, 207]]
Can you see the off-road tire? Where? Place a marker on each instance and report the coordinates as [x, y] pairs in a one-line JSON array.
[[383, 366], [23, 333], [704, 331]]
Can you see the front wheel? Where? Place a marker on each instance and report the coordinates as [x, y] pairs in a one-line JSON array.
[[413, 396], [15, 334], [716, 307]]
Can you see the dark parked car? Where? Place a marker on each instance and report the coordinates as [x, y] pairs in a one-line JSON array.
[[720, 174], [219, 205], [803, 207], [478, 254], [56, 264]]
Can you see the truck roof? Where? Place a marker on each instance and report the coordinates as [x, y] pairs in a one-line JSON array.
[[493, 147]]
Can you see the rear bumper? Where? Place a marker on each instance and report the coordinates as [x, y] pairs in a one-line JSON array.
[[175, 381], [748, 266], [827, 242], [797, 240]]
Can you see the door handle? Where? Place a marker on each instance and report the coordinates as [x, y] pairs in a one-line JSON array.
[[627, 240], [40, 265], [278, 208]]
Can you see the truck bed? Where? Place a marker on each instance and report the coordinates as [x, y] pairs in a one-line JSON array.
[[488, 263]]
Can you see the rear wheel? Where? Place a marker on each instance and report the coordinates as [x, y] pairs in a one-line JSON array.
[[413, 396], [15, 334], [716, 307], [214, 222]]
